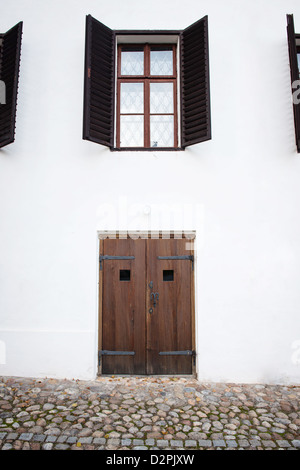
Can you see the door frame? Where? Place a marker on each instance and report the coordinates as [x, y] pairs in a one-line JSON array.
[[190, 237]]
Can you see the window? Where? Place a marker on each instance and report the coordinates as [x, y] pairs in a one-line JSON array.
[[146, 89], [294, 54], [10, 49], [146, 96]]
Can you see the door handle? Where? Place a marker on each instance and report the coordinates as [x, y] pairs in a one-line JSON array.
[[154, 296]]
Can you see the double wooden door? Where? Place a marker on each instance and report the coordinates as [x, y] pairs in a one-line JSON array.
[[146, 307]]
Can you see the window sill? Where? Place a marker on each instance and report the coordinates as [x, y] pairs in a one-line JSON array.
[[147, 149]]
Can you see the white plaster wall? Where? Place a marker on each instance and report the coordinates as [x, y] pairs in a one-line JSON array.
[[240, 192]]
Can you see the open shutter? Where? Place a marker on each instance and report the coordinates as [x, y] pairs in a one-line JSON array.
[[9, 75], [195, 93], [294, 73], [98, 118]]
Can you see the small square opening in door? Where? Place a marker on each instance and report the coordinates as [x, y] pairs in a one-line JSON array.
[[168, 275], [124, 274]]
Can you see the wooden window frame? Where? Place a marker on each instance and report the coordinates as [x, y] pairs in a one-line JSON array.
[[147, 79]]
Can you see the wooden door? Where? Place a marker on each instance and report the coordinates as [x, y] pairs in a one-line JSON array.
[[123, 307], [147, 307], [169, 315]]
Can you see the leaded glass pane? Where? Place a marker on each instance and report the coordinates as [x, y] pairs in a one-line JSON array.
[[132, 131], [161, 98], [161, 62], [132, 62], [132, 98], [162, 131]]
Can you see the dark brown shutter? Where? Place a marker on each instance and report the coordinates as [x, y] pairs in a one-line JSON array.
[[9, 74], [98, 118], [294, 73], [195, 93]]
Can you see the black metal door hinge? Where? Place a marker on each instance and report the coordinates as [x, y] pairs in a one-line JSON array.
[[187, 257], [104, 257], [180, 353], [114, 353]]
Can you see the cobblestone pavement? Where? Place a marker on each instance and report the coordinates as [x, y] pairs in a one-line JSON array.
[[146, 413]]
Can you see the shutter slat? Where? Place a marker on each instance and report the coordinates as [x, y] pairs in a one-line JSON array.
[[104, 45], [101, 97], [195, 124], [101, 86], [193, 51], [198, 79], [197, 140], [98, 136], [198, 92], [98, 121], [103, 52], [294, 73], [101, 61], [195, 113], [94, 108], [100, 130], [7, 70], [9, 73], [101, 81], [104, 123], [199, 63], [5, 130]]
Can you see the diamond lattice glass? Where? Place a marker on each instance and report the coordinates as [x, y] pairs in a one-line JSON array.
[[161, 98], [132, 98], [132, 131], [132, 63], [161, 62], [161, 131]]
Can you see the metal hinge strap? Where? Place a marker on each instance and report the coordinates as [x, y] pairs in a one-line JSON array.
[[114, 353], [179, 353], [187, 257], [108, 257]]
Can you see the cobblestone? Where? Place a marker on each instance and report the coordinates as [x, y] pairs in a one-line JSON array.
[[146, 413]]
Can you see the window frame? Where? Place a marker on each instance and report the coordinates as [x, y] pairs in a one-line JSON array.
[[146, 79]]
